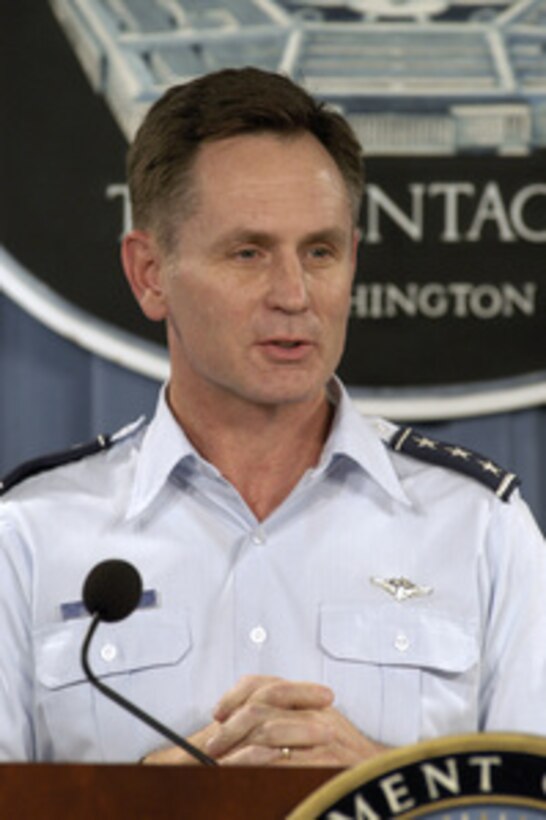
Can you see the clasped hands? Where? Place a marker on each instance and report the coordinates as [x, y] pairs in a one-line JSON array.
[[269, 721]]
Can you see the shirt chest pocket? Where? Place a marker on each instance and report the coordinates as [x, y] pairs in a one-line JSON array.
[[405, 673], [130, 657]]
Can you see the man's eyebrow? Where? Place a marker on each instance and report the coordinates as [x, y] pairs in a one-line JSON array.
[[331, 235], [243, 236]]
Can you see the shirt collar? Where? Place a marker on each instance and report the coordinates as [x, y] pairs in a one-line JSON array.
[[353, 436], [361, 439], [164, 447]]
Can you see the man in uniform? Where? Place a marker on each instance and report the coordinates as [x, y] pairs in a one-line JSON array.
[[318, 585]]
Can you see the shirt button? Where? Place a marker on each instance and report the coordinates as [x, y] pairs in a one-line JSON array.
[[258, 635], [257, 537], [108, 652], [401, 642]]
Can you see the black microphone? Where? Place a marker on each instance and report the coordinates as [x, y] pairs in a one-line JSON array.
[[111, 592]]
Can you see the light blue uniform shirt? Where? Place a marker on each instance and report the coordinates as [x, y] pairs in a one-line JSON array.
[[290, 596]]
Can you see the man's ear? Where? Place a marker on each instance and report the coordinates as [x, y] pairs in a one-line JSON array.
[[142, 263]]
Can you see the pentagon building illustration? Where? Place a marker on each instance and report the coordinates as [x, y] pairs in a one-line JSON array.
[[426, 77]]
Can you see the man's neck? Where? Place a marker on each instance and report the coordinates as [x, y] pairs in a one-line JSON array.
[[262, 451]]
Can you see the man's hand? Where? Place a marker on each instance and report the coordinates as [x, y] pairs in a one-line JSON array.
[[267, 721], [271, 721], [175, 756]]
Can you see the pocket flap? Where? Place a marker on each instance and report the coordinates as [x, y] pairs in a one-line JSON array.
[[394, 635], [149, 638]]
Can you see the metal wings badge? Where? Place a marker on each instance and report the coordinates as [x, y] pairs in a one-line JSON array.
[[401, 588]]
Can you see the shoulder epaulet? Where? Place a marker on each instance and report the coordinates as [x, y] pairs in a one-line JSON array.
[[409, 441], [48, 462]]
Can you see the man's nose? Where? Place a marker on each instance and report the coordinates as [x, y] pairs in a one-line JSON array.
[[288, 285]]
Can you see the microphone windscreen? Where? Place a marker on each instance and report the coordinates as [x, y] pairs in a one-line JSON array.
[[112, 590]]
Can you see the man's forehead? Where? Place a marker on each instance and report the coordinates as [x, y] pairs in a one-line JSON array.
[[250, 152], [267, 165]]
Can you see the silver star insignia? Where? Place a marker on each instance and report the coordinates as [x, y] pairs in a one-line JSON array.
[[401, 588], [458, 452], [489, 467], [426, 442]]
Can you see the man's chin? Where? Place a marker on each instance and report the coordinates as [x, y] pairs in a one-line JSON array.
[[288, 396]]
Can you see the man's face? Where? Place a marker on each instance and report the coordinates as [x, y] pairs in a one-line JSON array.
[[258, 290]]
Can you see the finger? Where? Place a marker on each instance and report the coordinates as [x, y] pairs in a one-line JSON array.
[[235, 729], [281, 757], [284, 694], [255, 724], [161, 757], [240, 693], [170, 756], [275, 692], [302, 729], [175, 756], [251, 756]]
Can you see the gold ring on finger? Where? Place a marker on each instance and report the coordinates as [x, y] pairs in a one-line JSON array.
[[286, 752]]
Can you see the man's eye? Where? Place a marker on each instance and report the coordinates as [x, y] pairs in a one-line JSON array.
[[246, 253], [321, 252]]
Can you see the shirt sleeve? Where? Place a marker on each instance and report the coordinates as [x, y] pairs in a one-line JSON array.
[[16, 676], [513, 691]]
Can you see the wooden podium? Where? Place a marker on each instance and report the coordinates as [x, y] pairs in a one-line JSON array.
[[40, 791], [446, 776]]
